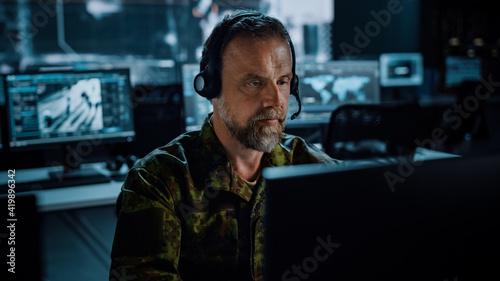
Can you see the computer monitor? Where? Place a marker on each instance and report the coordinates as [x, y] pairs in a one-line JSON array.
[[51, 108], [322, 88], [196, 107], [401, 69], [325, 86], [405, 220], [459, 69]]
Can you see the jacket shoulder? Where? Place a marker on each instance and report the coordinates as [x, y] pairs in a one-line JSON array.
[[304, 152]]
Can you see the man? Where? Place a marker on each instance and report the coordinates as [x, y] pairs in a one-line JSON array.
[[192, 209]]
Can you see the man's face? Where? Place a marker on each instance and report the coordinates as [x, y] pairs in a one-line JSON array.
[[256, 80]]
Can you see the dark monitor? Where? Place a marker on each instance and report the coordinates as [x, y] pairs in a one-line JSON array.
[[67, 107], [431, 220], [196, 107], [158, 116], [459, 69], [325, 86]]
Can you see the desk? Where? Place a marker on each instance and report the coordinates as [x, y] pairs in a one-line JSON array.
[[103, 194], [70, 197], [84, 196], [76, 226]]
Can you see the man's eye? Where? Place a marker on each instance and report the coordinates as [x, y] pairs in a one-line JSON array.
[[282, 83], [254, 83]]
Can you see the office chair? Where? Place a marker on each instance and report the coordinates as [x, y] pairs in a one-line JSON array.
[[467, 124], [359, 131]]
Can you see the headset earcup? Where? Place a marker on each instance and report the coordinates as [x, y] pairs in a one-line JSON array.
[[200, 83], [206, 87]]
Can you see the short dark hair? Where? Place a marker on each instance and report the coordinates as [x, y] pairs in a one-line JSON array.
[[255, 25]]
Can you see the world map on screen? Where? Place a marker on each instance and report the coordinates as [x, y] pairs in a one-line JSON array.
[[330, 89]]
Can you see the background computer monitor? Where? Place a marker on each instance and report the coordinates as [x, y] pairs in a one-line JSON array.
[[325, 86], [196, 107], [158, 117], [459, 69], [430, 220], [322, 88], [401, 69], [68, 107]]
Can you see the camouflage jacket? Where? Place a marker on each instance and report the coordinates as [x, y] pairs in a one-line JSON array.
[[186, 216]]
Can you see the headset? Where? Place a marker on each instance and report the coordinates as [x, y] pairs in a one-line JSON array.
[[208, 84]]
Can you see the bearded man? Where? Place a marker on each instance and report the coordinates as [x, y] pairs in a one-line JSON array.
[[192, 209]]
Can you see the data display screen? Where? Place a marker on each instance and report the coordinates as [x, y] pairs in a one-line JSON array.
[[69, 106]]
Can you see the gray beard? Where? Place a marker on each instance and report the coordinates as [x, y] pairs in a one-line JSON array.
[[253, 135]]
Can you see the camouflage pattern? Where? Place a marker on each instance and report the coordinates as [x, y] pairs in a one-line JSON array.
[[186, 216]]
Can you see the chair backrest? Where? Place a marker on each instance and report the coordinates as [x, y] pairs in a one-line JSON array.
[[395, 125], [467, 118]]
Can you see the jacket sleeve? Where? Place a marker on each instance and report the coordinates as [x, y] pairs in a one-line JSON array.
[[147, 239]]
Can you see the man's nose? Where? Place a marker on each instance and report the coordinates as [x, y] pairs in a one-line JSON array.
[[272, 96]]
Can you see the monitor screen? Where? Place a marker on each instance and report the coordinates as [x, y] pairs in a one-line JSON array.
[[401, 69], [325, 86], [69, 106], [461, 68], [196, 107], [395, 220]]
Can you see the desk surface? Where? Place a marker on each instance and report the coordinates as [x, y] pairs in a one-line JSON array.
[[71, 197], [77, 196]]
